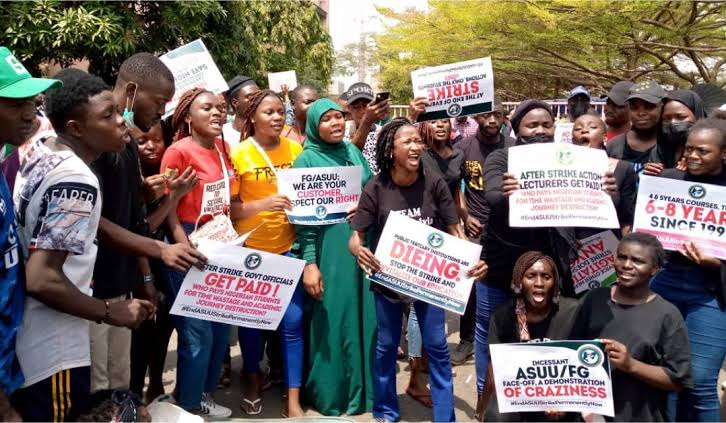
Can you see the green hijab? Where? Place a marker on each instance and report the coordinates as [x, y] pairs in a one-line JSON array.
[[313, 140]]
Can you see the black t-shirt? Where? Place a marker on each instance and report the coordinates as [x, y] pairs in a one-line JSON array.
[[557, 326], [451, 170], [475, 155], [618, 148], [654, 333], [119, 175], [428, 201]]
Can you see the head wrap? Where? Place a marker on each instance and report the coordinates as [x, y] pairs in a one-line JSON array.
[[524, 262], [312, 128], [525, 107], [689, 99]]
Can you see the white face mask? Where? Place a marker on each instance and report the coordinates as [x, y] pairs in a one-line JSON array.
[[128, 113]]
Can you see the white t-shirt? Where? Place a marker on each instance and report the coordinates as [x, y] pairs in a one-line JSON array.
[[58, 207], [231, 135]]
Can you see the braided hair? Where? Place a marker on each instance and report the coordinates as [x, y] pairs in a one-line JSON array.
[[248, 128], [384, 145], [178, 127], [524, 262]]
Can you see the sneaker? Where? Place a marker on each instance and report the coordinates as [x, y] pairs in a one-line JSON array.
[[211, 410], [462, 353]]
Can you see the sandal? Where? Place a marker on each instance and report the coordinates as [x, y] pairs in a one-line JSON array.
[[283, 410], [254, 407], [423, 399]]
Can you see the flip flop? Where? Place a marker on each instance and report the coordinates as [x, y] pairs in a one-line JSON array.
[[423, 399], [253, 410]]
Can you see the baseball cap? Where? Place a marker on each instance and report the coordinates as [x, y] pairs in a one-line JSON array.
[[579, 90], [648, 91], [236, 83], [619, 92], [15, 80], [359, 90]]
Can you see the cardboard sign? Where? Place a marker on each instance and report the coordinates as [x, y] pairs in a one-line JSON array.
[[560, 185], [277, 79], [425, 264], [563, 132], [678, 211], [555, 376], [239, 286], [593, 267], [192, 66], [320, 195], [457, 89]]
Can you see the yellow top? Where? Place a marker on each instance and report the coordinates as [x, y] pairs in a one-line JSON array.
[[256, 182]]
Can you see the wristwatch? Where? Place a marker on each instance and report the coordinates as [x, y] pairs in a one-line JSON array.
[[107, 315]]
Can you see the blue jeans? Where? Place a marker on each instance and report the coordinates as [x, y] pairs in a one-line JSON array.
[[683, 286], [487, 300], [414, 335], [432, 321], [201, 348], [291, 335]]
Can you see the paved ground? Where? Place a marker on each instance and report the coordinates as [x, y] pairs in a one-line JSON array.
[[464, 387]]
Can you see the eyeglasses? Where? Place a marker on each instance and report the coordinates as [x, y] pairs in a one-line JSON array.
[[128, 406]]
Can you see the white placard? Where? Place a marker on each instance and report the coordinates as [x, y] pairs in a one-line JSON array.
[[563, 132], [425, 263], [560, 185], [552, 376], [277, 79], [593, 266], [456, 89], [239, 286], [679, 211], [320, 195], [192, 66]]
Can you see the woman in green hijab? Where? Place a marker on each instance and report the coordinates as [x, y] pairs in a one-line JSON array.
[[340, 310]]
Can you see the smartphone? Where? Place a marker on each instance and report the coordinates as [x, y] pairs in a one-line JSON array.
[[382, 96]]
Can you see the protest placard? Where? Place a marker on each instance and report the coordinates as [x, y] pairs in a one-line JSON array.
[[563, 132], [276, 80], [560, 185], [239, 286], [457, 89], [425, 264], [192, 66], [679, 211], [594, 264], [320, 195], [552, 376]]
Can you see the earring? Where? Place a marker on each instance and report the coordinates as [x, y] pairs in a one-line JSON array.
[[189, 127], [253, 122]]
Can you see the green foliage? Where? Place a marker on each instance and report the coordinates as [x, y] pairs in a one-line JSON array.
[[543, 48], [244, 37]]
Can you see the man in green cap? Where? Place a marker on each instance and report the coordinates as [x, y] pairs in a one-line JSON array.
[[17, 113]]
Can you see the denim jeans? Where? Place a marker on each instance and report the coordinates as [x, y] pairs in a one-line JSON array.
[[201, 348], [487, 300], [433, 331], [683, 286], [414, 335], [291, 337]]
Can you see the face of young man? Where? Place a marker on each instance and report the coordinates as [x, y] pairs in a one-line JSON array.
[[16, 119]]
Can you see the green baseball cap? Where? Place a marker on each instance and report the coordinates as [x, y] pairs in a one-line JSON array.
[[15, 80]]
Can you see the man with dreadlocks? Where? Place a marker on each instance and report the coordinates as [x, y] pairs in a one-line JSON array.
[[404, 186], [197, 123], [536, 313], [143, 87]]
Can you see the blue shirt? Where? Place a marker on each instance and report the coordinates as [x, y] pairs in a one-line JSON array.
[[12, 293]]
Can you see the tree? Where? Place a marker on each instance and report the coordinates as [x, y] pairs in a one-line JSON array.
[[356, 58], [244, 37], [543, 48]]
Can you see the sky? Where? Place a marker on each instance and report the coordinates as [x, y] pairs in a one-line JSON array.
[[347, 19]]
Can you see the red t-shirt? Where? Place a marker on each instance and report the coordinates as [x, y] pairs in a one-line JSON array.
[[209, 194]]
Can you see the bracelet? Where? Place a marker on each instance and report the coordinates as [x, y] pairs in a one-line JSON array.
[[149, 279], [108, 313]]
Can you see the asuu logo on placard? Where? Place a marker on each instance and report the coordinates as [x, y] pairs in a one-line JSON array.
[[321, 212], [697, 192], [17, 66], [454, 110], [565, 156], [435, 240], [590, 355], [253, 261]]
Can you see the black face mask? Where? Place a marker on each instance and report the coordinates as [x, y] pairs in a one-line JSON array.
[[676, 133], [579, 109], [537, 139]]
